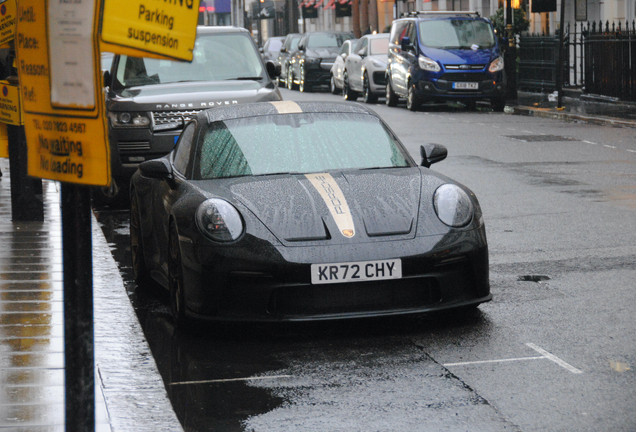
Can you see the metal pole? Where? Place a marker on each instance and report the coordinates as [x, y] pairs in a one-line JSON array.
[[560, 62], [79, 354]]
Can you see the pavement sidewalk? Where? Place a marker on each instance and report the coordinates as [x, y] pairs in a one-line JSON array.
[[129, 392]]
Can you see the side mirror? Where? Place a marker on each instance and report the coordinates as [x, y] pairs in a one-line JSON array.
[[343, 55], [432, 153], [156, 168], [260, 49], [405, 43], [273, 69], [283, 49], [362, 52], [107, 78]]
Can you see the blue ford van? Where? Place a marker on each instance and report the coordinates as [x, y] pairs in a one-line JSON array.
[[444, 56]]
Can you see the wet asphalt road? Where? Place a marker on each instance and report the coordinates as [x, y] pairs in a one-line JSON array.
[[555, 349]]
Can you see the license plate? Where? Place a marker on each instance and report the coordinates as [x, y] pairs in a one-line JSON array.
[[466, 85], [356, 271]]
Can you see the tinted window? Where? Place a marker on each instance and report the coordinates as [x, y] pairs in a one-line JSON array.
[[456, 33], [298, 143], [320, 40], [216, 57]]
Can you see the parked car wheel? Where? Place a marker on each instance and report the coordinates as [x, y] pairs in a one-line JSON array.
[[290, 80], [140, 271], [413, 101], [391, 97], [332, 85], [367, 95], [302, 86], [498, 104], [177, 297], [347, 93]]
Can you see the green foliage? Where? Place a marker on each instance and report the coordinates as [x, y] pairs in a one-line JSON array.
[[520, 23]]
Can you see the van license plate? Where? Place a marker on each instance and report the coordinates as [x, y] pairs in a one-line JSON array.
[[466, 85], [356, 271]]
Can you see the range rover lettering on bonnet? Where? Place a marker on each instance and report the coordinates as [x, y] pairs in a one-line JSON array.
[[191, 105]]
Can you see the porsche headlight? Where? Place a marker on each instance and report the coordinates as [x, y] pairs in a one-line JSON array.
[[428, 64], [453, 206], [129, 119], [496, 65], [218, 220]]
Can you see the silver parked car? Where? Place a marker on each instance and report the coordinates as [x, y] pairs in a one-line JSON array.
[[365, 68], [337, 70]]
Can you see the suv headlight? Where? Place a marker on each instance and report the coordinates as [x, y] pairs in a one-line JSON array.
[[496, 65], [453, 206], [129, 119], [428, 64], [218, 220]]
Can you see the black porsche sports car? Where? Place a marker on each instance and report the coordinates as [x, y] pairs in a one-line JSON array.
[[287, 211]]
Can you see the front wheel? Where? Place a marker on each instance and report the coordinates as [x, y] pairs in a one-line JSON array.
[[347, 93], [498, 104], [290, 80], [332, 85], [140, 271], [367, 96], [391, 96], [302, 87], [413, 101], [175, 269]]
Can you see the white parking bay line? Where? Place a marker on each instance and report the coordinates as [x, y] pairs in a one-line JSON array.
[[230, 380], [494, 361], [554, 359]]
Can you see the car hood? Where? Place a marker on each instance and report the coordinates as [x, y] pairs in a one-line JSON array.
[[462, 56], [325, 52], [296, 209], [193, 95]]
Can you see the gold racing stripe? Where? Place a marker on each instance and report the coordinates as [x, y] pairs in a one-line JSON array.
[[335, 201], [287, 107]]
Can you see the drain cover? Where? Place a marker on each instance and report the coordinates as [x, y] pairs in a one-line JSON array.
[[540, 138], [533, 278]]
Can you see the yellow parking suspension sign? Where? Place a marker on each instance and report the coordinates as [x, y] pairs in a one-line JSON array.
[[60, 88], [8, 9], [154, 27]]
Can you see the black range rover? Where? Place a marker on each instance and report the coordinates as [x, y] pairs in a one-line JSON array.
[[149, 100]]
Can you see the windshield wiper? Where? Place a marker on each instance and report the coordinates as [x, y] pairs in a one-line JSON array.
[[245, 79]]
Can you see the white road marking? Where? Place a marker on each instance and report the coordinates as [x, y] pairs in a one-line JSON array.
[[494, 361], [230, 380], [608, 146], [589, 142], [554, 358], [631, 151]]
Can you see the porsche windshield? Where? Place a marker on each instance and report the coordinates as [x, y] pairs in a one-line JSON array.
[[456, 34], [216, 57], [296, 143]]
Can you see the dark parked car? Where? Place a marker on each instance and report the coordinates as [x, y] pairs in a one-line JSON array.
[[289, 211], [149, 100], [312, 62], [290, 45], [445, 56], [271, 49]]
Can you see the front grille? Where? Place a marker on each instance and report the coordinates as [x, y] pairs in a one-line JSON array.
[[163, 117], [403, 294], [464, 77], [379, 78], [125, 147], [464, 67]]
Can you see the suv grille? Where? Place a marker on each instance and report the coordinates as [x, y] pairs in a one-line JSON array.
[[163, 117]]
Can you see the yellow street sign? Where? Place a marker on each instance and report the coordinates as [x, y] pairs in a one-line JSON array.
[[10, 104], [61, 91], [4, 141], [156, 28], [8, 9]]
